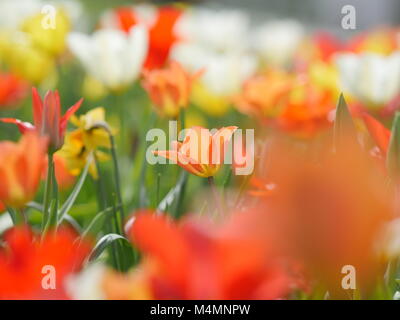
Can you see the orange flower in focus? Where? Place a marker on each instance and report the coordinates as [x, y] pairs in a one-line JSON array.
[[47, 118], [21, 165], [24, 259], [12, 90], [201, 153], [288, 102], [161, 32], [330, 211], [169, 88], [190, 261]]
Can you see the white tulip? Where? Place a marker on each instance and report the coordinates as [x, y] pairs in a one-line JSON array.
[[277, 41], [372, 78], [224, 72], [111, 56], [219, 30]]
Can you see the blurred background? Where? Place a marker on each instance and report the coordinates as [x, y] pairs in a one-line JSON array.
[[321, 14]]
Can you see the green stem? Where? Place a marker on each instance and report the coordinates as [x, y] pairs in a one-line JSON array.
[[47, 191], [217, 198], [117, 181]]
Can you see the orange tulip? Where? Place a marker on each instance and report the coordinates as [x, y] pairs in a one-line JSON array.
[[329, 211], [169, 88], [201, 153], [64, 178], [21, 166], [194, 260], [288, 102], [378, 132], [12, 90], [24, 259]]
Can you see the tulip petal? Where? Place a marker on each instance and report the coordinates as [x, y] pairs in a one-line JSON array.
[[23, 127], [68, 114], [37, 108], [378, 132]]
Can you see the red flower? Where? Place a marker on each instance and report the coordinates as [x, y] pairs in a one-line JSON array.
[[12, 89], [25, 261], [190, 261], [161, 32], [47, 117], [378, 132]]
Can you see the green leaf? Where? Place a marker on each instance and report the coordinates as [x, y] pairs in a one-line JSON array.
[[74, 194], [97, 223], [173, 194], [393, 155], [103, 243], [344, 130]]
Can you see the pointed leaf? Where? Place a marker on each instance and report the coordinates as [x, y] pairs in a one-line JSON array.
[[103, 243], [173, 194], [344, 130], [97, 223]]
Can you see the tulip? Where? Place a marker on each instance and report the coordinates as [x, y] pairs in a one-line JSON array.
[[160, 23], [201, 153], [12, 89], [277, 41], [111, 56], [371, 78], [21, 165], [196, 260], [58, 251], [169, 88], [47, 118]]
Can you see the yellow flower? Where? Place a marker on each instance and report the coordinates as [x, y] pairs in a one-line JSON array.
[[93, 89], [76, 154], [93, 126], [91, 134], [209, 102], [24, 59], [51, 39]]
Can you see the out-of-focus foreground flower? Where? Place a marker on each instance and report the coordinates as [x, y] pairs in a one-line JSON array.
[[21, 165], [191, 261], [29, 267]]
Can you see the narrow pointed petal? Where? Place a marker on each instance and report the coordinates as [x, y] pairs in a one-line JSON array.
[[37, 108], [68, 114], [23, 127], [378, 132]]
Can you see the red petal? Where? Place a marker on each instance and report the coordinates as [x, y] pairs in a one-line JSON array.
[[23, 127], [37, 108], [68, 114], [378, 132]]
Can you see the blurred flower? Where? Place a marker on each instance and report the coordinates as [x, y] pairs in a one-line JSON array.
[[371, 78], [329, 211], [13, 13], [111, 56], [288, 101], [93, 89], [216, 30], [223, 75], [382, 41], [201, 153], [160, 23], [169, 88], [47, 117], [21, 166], [50, 40], [12, 90], [24, 59], [24, 257], [277, 41], [201, 261]]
